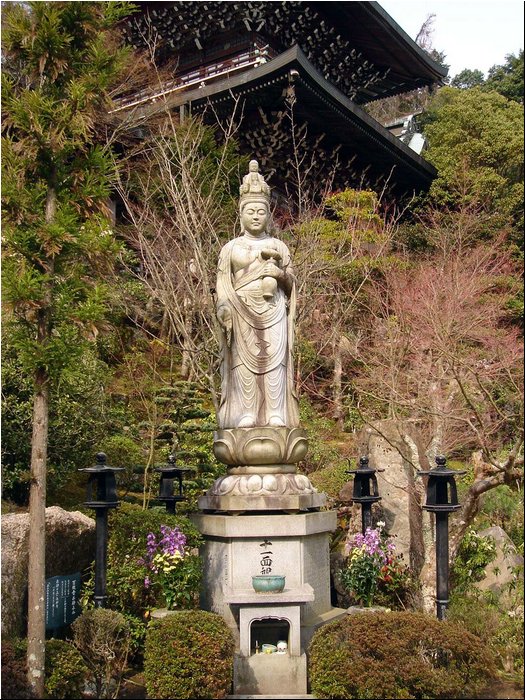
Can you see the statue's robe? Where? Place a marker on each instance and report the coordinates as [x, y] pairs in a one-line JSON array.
[[256, 369]]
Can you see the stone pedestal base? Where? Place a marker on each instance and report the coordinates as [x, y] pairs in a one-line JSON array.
[[247, 492], [261, 472], [296, 546], [270, 674]]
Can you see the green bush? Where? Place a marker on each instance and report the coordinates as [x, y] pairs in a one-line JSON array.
[[103, 639], [80, 416], [189, 655], [397, 655], [499, 626], [66, 671], [14, 670], [475, 553], [503, 507], [331, 480]]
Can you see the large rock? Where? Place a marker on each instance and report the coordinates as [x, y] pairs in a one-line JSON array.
[[396, 448], [508, 564], [70, 547]]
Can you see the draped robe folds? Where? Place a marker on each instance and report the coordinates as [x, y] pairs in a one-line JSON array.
[[256, 369]]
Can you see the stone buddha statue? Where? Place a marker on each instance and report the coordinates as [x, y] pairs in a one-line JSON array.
[[256, 310], [258, 434]]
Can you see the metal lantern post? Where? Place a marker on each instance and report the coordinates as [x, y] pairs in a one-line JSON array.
[[101, 496], [442, 499], [171, 489], [366, 490]]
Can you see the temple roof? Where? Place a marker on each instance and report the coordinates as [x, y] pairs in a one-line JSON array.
[[356, 46], [334, 129]]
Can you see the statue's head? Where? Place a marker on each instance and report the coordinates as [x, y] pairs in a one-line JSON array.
[[255, 216], [253, 166]]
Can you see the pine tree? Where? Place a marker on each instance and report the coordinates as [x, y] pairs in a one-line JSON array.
[[59, 61]]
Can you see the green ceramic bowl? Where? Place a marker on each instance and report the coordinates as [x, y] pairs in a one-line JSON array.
[[268, 583]]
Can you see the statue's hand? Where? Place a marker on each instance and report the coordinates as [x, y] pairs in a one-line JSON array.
[[271, 270], [224, 315]]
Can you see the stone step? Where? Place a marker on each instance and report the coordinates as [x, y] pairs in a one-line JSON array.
[[329, 616]]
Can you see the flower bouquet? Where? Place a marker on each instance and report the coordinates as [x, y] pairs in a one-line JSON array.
[[173, 572], [373, 568]]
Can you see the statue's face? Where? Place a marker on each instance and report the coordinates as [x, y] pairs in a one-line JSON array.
[[254, 218]]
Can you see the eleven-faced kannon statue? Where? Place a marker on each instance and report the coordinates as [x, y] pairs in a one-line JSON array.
[[256, 310]]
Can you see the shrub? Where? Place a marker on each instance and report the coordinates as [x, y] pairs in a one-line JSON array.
[[137, 635], [500, 627], [103, 639], [189, 655], [503, 507], [397, 655], [331, 479], [474, 555], [66, 671], [14, 671]]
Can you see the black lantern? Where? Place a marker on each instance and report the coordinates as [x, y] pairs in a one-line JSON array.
[[366, 490], [442, 499], [171, 489], [101, 495], [101, 486]]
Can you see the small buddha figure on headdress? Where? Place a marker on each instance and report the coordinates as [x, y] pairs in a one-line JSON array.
[[254, 182], [256, 311]]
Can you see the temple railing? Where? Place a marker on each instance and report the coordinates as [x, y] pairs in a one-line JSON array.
[[201, 75]]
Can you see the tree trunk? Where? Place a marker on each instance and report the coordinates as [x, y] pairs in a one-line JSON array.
[[186, 342], [338, 383], [36, 573], [36, 621]]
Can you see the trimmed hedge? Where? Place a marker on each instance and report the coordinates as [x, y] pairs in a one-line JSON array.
[[397, 655], [66, 671], [189, 654]]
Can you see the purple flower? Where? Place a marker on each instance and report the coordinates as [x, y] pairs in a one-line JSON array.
[[173, 540], [370, 542]]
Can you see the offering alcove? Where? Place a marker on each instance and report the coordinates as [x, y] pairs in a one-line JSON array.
[[268, 630]]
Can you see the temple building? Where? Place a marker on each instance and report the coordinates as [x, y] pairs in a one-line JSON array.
[[295, 75]]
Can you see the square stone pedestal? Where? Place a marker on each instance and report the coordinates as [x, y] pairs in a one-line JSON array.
[[296, 545]]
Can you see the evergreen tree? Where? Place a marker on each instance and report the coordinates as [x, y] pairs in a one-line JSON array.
[[476, 143], [508, 78], [468, 78], [59, 61]]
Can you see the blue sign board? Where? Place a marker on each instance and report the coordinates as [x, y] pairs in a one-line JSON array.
[[62, 600]]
